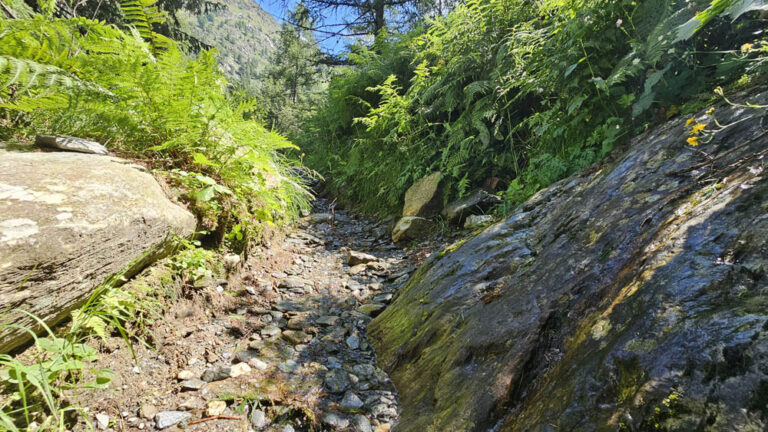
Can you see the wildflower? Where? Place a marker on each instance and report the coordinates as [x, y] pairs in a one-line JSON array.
[[690, 121], [719, 90], [693, 141], [619, 22], [711, 111], [746, 47], [698, 127]]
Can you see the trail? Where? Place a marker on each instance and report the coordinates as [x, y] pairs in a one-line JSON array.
[[282, 349]]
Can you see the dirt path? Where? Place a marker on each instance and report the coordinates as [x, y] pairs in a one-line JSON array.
[[284, 349]]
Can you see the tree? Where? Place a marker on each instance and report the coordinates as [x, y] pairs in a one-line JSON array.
[[292, 78]]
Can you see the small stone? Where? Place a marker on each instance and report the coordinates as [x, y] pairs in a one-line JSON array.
[[102, 421], [360, 268], [477, 221], [353, 341], [384, 427], [296, 337], [147, 411], [216, 374], [351, 401], [258, 364], [166, 419], [293, 283], [287, 428], [335, 421], [215, 408], [192, 404], [288, 366], [185, 375], [270, 331], [327, 320], [354, 258], [337, 381], [247, 355], [259, 419], [239, 369], [383, 410], [364, 370], [193, 384], [360, 423], [231, 260]]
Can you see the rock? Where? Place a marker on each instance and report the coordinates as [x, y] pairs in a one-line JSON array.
[[68, 222], [184, 375], [102, 421], [632, 294], [239, 369], [271, 331], [371, 309], [383, 427], [72, 144], [258, 364], [287, 428], [289, 366], [353, 341], [477, 202], [147, 411], [335, 421], [193, 404], [336, 381], [425, 197], [231, 260], [293, 282], [215, 408], [360, 423], [354, 258], [318, 218], [327, 320], [351, 401], [296, 337], [411, 228], [259, 419], [166, 419], [358, 269], [247, 355], [216, 373], [193, 384], [477, 221]]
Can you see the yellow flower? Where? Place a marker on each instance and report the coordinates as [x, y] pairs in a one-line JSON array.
[[693, 141], [698, 127], [746, 47], [690, 121], [711, 111]]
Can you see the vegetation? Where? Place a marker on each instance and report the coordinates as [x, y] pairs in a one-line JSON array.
[[526, 92], [139, 93]]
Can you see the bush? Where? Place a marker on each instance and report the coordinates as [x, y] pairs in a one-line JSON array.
[[523, 91]]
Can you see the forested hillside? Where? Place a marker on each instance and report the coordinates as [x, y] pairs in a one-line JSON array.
[[242, 32]]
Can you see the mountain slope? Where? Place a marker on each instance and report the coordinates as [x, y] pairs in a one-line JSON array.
[[243, 33]]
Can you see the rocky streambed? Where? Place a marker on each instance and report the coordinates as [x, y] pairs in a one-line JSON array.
[[283, 348]]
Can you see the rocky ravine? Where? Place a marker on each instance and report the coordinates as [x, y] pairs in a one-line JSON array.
[[631, 298], [284, 349]]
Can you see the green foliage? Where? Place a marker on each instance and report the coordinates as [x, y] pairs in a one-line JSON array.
[[33, 389], [143, 96], [528, 92]]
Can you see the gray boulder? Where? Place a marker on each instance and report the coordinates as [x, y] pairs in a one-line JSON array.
[[633, 297], [73, 144], [69, 222], [425, 197], [477, 202]]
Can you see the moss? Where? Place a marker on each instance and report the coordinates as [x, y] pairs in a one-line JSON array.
[[631, 376]]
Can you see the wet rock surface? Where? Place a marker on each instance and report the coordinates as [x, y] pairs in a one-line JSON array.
[[633, 298]]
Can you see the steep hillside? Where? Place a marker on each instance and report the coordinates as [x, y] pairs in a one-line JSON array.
[[243, 33]]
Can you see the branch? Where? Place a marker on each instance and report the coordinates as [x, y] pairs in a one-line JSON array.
[[8, 10]]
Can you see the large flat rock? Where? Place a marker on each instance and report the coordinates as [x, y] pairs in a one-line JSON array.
[[67, 223], [633, 298]]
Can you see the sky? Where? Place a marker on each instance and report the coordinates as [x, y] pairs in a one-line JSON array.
[[280, 9]]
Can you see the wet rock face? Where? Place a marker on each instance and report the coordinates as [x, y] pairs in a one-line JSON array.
[[68, 221], [622, 299]]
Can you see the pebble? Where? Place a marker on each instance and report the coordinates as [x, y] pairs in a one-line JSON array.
[[193, 384], [166, 419], [239, 369], [215, 408], [351, 401], [360, 423], [258, 364], [335, 421], [353, 341], [296, 337], [217, 373], [259, 419], [337, 381], [185, 375], [147, 411], [102, 421], [270, 331]]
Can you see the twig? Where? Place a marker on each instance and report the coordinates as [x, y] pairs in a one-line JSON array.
[[8, 10], [218, 417]]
